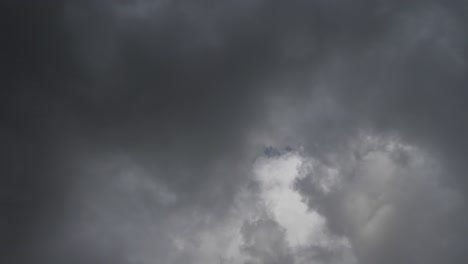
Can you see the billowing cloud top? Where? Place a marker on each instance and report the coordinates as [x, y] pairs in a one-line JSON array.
[[236, 132]]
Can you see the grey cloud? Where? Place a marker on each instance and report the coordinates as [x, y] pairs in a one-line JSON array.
[[264, 241], [391, 208], [183, 89], [410, 84]]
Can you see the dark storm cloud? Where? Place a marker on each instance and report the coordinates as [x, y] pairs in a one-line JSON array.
[[409, 84], [172, 94]]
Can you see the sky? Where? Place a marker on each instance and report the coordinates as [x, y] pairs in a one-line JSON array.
[[233, 132]]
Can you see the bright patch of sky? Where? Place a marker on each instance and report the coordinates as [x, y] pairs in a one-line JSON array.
[[277, 176]]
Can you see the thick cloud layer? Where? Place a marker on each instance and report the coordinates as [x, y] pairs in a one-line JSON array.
[[157, 131]]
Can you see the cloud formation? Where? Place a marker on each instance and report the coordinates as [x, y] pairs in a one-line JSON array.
[[273, 132]]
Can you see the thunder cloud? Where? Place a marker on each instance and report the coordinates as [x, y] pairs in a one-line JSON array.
[[235, 132]]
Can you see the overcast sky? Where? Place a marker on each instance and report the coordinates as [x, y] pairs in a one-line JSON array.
[[234, 132]]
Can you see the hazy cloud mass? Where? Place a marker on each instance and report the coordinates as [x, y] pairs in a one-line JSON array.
[[234, 132]]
